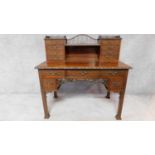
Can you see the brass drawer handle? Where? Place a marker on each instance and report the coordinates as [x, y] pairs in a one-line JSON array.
[[83, 72], [55, 46], [52, 74], [114, 73], [111, 48]]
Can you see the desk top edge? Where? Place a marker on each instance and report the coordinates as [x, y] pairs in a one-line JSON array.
[[119, 65]]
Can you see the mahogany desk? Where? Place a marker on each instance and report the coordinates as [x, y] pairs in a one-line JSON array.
[[114, 74], [83, 58]]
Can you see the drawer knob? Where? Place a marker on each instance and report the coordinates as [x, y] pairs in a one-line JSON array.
[[54, 74]]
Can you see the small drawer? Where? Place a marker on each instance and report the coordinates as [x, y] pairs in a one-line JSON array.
[[83, 74], [49, 85], [54, 42], [109, 53], [52, 73], [108, 58], [111, 73], [116, 84], [56, 58], [55, 47], [110, 48], [110, 42], [56, 53]]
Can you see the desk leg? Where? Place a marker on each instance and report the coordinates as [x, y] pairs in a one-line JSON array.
[[108, 94], [44, 99], [121, 97], [55, 94], [120, 106], [108, 91]]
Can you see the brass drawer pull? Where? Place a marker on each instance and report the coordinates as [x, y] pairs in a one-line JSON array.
[[54, 74], [114, 73], [111, 48], [55, 46], [83, 72]]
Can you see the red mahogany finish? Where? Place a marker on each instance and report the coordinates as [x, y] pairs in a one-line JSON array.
[[98, 59]]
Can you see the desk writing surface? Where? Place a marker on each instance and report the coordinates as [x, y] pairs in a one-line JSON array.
[[119, 65]]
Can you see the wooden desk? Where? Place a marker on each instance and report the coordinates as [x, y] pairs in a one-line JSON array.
[[114, 75], [96, 61]]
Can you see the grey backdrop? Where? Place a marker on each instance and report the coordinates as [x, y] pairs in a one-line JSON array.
[[19, 54]]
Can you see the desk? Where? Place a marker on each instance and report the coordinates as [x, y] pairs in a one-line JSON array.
[[114, 74], [83, 58]]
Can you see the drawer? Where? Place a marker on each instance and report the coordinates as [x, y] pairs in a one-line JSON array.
[[55, 50], [55, 53], [56, 58], [54, 42], [110, 42], [109, 58], [52, 74], [50, 85], [111, 73], [116, 84], [110, 48], [83, 74], [55, 47]]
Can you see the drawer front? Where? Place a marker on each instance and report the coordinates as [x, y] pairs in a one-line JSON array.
[[55, 58], [109, 53], [110, 49], [110, 42], [83, 74], [55, 53], [58, 48], [52, 74], [49, 85], [54, 42], [116, 84], [111, 73]]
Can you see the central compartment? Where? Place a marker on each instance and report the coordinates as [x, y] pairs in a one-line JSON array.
[[82, 54]]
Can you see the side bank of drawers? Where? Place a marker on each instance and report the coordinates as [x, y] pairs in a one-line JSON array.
[[115, 77], [110, 50], [55, 50]]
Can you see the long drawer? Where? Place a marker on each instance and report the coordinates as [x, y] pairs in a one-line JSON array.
[[52, 73], [82, 74], [111, 73]]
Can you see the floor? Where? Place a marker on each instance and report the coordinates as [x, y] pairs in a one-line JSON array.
[[85, 103]]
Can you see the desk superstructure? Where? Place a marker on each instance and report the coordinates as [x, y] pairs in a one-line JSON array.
[[83, 58]]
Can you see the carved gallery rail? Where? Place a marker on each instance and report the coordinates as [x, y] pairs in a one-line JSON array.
[[83, 62]]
